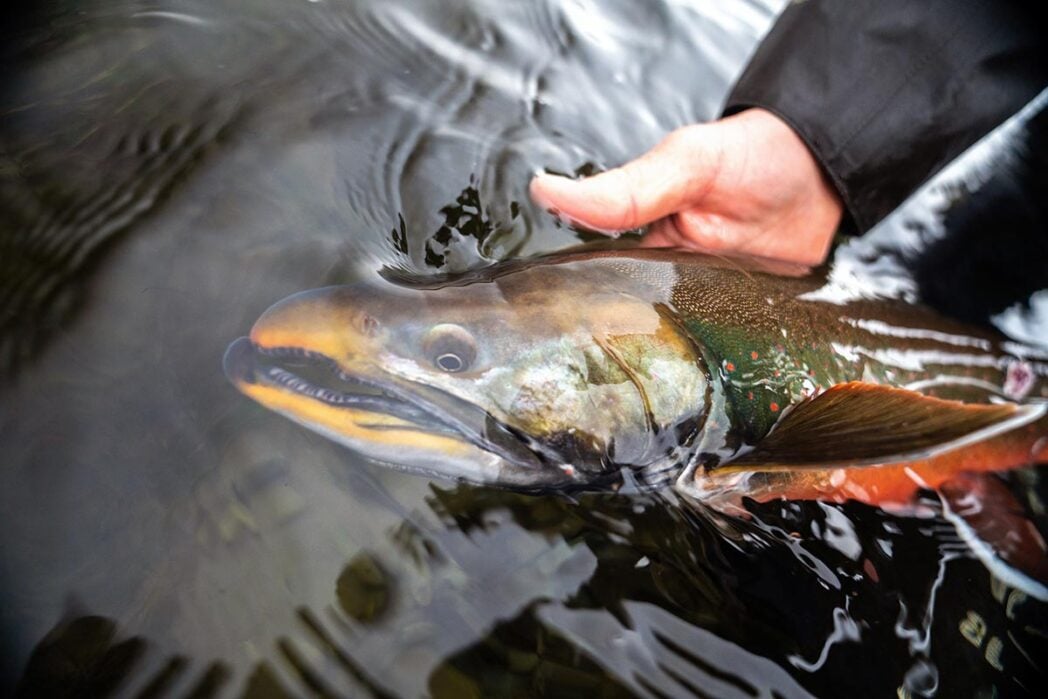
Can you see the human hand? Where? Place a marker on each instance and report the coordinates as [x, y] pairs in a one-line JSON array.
[[746, 184]]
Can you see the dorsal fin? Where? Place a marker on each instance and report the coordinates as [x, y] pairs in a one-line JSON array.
[[863, 424]]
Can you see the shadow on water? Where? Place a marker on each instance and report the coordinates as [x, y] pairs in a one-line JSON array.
[[799, 599], [168, 170]]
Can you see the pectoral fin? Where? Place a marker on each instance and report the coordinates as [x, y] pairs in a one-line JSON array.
[[864, 424]]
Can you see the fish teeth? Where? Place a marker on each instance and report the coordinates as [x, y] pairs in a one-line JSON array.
[[295, 383], [299, 385]]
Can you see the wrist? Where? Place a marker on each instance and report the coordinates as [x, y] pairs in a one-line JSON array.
[[785, 156]]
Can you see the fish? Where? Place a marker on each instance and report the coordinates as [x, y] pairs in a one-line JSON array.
[[726, 379]]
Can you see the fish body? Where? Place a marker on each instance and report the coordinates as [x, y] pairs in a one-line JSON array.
[[582, 370]]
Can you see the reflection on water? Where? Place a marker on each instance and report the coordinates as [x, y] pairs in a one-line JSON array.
[[641, 598], [169, 169]]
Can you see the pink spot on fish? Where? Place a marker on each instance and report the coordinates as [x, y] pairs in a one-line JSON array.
[[1018, 380]]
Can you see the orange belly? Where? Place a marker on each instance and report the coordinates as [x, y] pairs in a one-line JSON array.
[[896, 484]]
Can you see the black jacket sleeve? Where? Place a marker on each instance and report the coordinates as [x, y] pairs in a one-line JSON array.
[[886, 92]]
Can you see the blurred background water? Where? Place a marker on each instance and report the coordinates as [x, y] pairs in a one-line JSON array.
[[170, 168]]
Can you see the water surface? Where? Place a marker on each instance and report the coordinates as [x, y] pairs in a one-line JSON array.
[[170, 169]]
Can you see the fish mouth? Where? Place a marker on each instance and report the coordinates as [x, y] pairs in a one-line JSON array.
[[311, 387], [317, 377]]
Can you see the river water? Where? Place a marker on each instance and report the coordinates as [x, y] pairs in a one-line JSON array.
[[170, 168]]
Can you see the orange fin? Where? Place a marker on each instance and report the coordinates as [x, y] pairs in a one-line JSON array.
[[997, 529], [865, 424]]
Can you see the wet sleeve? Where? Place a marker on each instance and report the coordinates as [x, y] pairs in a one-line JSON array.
[[886, 92]]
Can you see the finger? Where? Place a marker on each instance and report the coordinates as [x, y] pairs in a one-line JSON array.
[[663, 234], [664, 180], [693, 232], [667, 234]]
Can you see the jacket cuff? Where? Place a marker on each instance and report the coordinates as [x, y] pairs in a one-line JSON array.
[[886, 93]]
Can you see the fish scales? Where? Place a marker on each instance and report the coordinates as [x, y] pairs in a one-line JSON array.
[[773, 347]]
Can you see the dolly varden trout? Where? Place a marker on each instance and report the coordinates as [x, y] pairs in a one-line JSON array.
[[586, 370]]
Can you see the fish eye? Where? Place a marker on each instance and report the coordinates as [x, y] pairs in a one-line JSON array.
[[451, 348], [450, 362]]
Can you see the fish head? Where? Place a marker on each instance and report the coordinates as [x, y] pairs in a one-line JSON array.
[[547, 381]]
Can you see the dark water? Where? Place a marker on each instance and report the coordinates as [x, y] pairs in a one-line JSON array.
[[170, 169]]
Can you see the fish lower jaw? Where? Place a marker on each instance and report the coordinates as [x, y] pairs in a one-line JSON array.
[[472, 464]]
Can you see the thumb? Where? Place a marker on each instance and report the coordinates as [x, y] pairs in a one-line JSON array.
[[671, 176]]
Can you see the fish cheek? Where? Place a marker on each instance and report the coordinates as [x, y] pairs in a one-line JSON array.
[[543, 399], [550, 402]]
